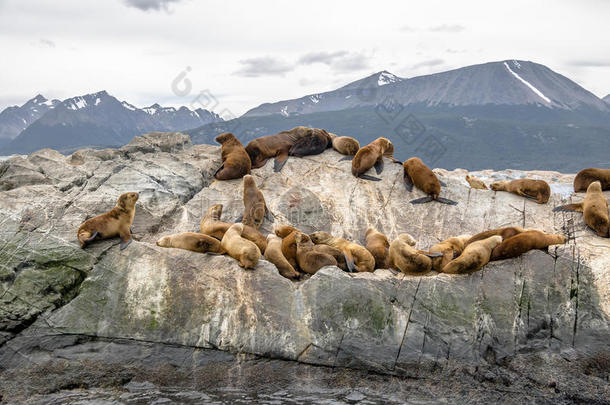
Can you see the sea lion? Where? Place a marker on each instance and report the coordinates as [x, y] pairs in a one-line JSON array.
[[309, 259], [588, 176], [235, 159], [116, 222], [211, 225], [475, 182], [239, 248], [418, 174], [273, 253], [372, 155], [344, 144], [255, 208], [537, 190], [404, 257], [474, 257], [195, 242], [299, 141], [289, 244], [595, 209], [357, 257], [377, 243], [505, 233], [334, 252], [523, 242], [450, 249]]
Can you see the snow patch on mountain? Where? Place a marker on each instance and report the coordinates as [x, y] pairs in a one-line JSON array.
[[387, 78], [528, 84]]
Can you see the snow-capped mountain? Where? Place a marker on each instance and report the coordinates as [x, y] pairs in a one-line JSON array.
[[504, 83], [99, 119], [15, 119]]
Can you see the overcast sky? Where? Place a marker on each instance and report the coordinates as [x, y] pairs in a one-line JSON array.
[[244, 53]]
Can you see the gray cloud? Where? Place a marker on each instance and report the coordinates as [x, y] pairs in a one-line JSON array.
[[147, 5], [447, 28], [351, 62], [590, 63], [321, 57], [263, 66], [428, 63]]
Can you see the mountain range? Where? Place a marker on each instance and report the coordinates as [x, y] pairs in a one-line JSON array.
[[497, 115], [92, 120]]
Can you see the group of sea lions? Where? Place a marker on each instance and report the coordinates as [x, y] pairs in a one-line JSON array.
[[295, 253]]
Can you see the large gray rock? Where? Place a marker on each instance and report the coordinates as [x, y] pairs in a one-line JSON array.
[[553, 303]]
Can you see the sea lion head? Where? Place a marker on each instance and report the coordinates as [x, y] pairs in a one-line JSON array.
[[497, 186], [215, 211], [224, 137], [320, 237], [406, 238], [128, 200], [249, 180], [164, 242], [283, 230], [596, 186]]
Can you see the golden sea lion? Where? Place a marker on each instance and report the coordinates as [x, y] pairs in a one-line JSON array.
[[235, 159], [588, 176], [450, 249], [505, 233], [299, 141], [211, 225], [289, 244], [344, 144], [116, 222], [357, 257], [239, 248], [273, 253], [404, 257], [309, 259], [255, 208], [372, 155], [595, 209], [195, 242], [537, 190], [418, 174], [377, 243], [474, 257], [523, 242], [475, 182]]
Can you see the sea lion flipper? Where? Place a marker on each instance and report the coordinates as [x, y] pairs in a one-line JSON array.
[[347, 158], [432, 254], [421, 200], [279, 162], [569, 207], [408, 181], [443, 184], [379, 166], [349, 261], [222, 166], [126, 243], [367, 177], [446, 201], [269, 215], [394, 160], [93, 236]]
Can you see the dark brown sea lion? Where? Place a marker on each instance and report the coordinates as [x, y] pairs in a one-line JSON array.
[[235, 159], [418, 174], [289, 244], [595, 209], [372, 155], [537, 190], [588, 176], [523, 242], [116, 222]]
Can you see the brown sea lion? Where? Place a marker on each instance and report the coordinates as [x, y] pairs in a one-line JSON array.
[[475, 182], [195, 242], [299, 141], [377, 243], [273, 253], [588, 176], [116, 222], [255, 208], [357, 257], [450, 249], [537, 190], [404, 257], [235, 159], [595, 209], [523, 242], [239, 248], [334, 252], [211, 225], [372, 155], [344, 144], [505, 233], [309, 259], [418, 174], [289, 244], [474, 257]]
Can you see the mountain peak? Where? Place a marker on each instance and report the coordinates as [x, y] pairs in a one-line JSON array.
[[607, 99]]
